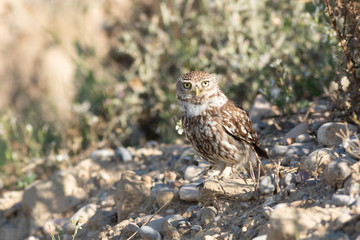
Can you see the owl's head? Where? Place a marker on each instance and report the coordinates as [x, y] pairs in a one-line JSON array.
[[196, 87]]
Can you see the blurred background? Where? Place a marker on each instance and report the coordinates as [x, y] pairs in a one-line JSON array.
[[77, 75]]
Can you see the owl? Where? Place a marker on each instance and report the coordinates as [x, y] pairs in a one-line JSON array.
[[219, 130]]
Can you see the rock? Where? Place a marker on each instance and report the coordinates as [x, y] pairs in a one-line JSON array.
[[288, 222], [189, 192], [170, 176], [186, 157], [352, 146], [58, 194], [326, 134], [131, 194], [318, 160], [196, 228], [102, 154], [156, 189], [267, 184], [131, 228], [51, 224], [352, 185], [336, 172], [295, 149], [166, 196], [288, 159], [173, 219], [167, 226], [193, 173], [151, 144], [279, 151], [206, 215], [290, 179], [170, 211], [336, 236], [299, 149], [83, 215], [123, 154], [295, 132], [303, 138], [169, 231], [236, 189], [148, 233], [342, 200], [262, 237]]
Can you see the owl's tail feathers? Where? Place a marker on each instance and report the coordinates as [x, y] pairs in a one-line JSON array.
[[261, 152]]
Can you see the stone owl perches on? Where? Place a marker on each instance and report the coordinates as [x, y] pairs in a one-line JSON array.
[[220, 131]]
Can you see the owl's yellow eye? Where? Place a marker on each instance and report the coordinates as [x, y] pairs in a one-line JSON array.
[[205, 83], [187, 85]]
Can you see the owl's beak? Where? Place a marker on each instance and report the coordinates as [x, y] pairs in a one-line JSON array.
[[197, 91]]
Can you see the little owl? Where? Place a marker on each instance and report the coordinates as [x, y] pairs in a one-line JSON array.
[[220, 131]]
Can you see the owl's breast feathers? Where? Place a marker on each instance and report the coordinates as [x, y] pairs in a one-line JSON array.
[[233, 119]]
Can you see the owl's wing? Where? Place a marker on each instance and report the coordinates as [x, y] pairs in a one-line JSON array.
[[237, 123]]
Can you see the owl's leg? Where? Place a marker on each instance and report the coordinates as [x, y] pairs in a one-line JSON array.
[[219, 169], [225, 171]]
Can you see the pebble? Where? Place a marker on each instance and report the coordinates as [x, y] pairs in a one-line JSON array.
[[83, 214], [279, 151], [196, 228], [281, 205], [290, 179], [193, 173], [206, 215], [49, 226], [151, 144], [124, 154], [295, 132], [209, 237], [326, 134], [174, 220], [345, 217], [131, 228], [303, 138], [288, 159], [267, 211], [156, 189], [262, 237], [352, 185], [101, 154], [170, 176], [351, 146], [169, 231], [336, 236], [186, 156], [336, 172], [189, 192], [267, 184], [300, 149], [148, 233], [342, 200], [170, 211], [165, 196], [318, 159]]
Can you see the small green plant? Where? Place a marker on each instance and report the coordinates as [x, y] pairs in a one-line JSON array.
[[76, 222], [59, 232]]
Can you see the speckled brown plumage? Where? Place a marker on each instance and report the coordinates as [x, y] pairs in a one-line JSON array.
[[220, 131]]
